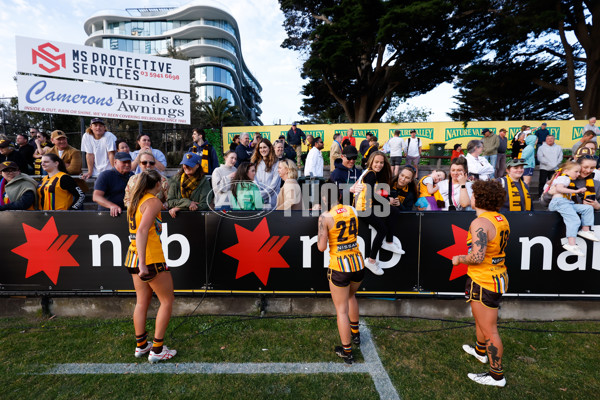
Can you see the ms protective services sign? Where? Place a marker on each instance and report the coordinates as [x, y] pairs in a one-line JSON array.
[[60, 96], [65, 60]]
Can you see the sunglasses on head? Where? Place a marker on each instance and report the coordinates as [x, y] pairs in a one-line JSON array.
[[147, 162]]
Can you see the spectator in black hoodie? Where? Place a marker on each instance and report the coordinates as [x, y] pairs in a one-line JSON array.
[[345, 173]]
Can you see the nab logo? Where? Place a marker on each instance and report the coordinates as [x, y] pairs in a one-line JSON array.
[[46, 251], [49, 58]]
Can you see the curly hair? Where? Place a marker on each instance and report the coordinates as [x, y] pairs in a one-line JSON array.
[[489, 195]]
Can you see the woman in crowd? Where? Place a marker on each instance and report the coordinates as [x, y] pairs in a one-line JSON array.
[[404, 190], [188, 189], [17, 191], [144, 143], [517, 197], [376, 179], [221, 181], [487, 278], [245, 193], [147, 163], [338, 227], [123, 147], [266, 178], [479, 168], [373, 146], [290, 195], [43, 144], [146, 263], [456, 190], [518, 142], [58, 191], [585, 180], [528, 154]]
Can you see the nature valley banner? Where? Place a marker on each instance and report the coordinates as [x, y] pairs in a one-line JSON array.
[[566, 132]]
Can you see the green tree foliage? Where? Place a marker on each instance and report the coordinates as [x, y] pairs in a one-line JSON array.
[[363, 54], [561, 34], [498, 90], [218, 112], [400, 112]]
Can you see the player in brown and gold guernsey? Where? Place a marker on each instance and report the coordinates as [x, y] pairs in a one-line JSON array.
[[339, 228], [146, 263], [487, 277]]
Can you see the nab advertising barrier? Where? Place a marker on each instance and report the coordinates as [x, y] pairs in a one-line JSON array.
[[83, 252], [47, 62]]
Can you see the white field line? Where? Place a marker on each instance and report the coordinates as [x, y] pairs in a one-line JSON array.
[[372, 366]]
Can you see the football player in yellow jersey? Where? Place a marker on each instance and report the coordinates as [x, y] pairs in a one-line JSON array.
[[339, 228], [146, 263], [487, 278]]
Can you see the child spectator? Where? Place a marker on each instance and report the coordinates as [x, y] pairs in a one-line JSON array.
[[457, 152], [561, 202]]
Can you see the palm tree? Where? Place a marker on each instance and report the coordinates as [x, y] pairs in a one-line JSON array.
[[219, 112]]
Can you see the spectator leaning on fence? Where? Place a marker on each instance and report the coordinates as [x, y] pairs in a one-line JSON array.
[[221, 182], [147, 163], [201, 146], [479, 168], [99, 146], [244, 192], [404, 189], [189, 189], [8, 153], [517, 197], [18, 191], [550, 156], [290, 195], [109, 188], [58, 191]]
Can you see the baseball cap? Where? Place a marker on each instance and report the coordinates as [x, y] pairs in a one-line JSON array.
[[350, 151], [191, 160], [123, 156], [57, 134], [293, 124], [515, 162], [5, 143], [98, 121], [484, 130], [8, 164]]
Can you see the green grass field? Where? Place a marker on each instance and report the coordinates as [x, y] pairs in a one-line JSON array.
[[423, 358]]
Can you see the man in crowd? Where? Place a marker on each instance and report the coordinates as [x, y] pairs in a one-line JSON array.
[[314, 160], [335, 152], [201, 146], [288, 150], [364, 145], [9, 153], [412, 147], [550, 156], [588, 136], [350, 137], [295, 137], [491, 142], [26, 149], [501, 159], [99, 146], [345, 173], [541, 133], [70, 155], [243, 151], [109, 189]]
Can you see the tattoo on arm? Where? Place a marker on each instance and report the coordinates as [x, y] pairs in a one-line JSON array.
[[322, 230], [481, 242]]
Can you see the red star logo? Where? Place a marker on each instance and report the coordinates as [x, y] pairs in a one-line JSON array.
[[46, 251], [257, 251], [459, 247]]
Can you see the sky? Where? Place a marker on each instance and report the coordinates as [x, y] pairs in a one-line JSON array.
[[261, 30]]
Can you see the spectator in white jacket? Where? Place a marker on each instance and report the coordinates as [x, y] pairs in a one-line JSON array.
[[314, 160], [550, 156], [267, 178], [221, 181], [479, 168]]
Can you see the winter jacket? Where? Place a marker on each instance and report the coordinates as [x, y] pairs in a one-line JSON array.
[[529, 151]]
